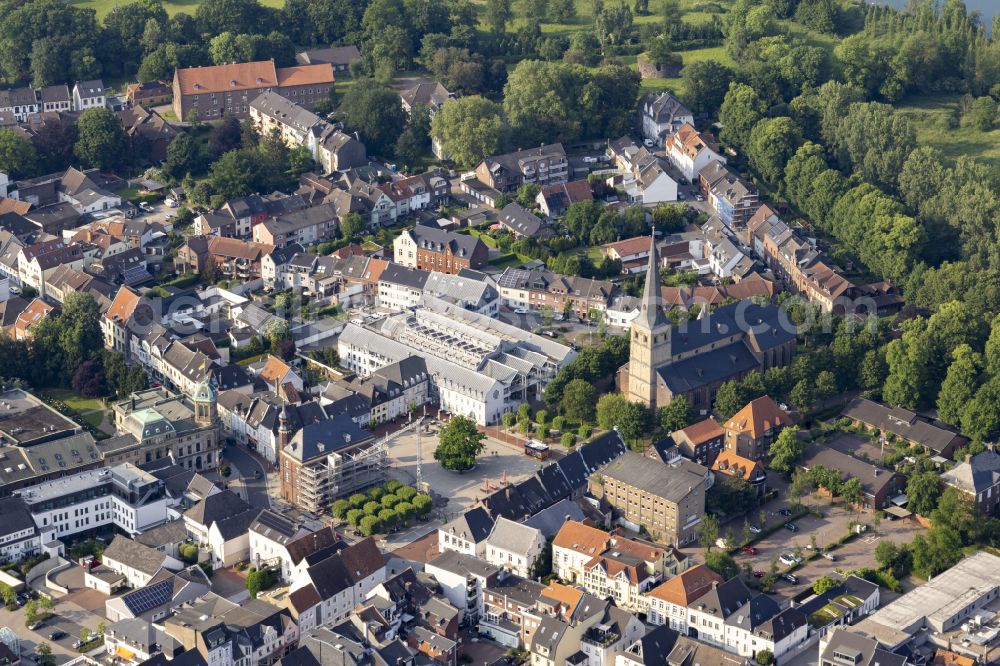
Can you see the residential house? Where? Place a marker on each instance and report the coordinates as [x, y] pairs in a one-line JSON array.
[[37, 262], [667, 501], [545, 165], [389, 393], [751, 431], [729, 464], [271, 536], [463, 580], [120, 322], [295, 125], [135, 562], [904, 425], [879, 487], [563, 295], [134, 641], [690, 151], [211, 92], [431, 249], [148, 93], [89, 95], [847, 647], [148, 128], [19, 536], [732, 198], [431, 94], [606, 564], [19, 102], [338, 151], [662, 115], [327, 591], [554, 200], [56, 98], [510, 611], [305, 227], [276, 373], [979, 477], [31, 315], [669, 601], [165, 592], [649, 182], [222, 523], [467, 534], [338, 57], [633, 253], [514, 547], [522, 223], [87, 191], [701, 441], [727, 261]]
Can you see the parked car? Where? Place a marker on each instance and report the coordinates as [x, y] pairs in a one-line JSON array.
[[791, 578], [757, 573], [789, 559], [649, 143], [77, 644], [56, 635], [36, 626], [521, 311], [830, 556], [791, 527], [755, 529], [590, 160], [146, 206], [785, 512], [749, 550]]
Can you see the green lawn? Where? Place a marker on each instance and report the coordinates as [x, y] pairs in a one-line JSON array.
[[102, 7], [76, 401], [929, 115]]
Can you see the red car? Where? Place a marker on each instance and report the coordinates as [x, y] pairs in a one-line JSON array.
[[758, 573], [749, 550]]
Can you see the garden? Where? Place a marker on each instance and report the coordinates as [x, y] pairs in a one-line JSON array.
[[383, 509]]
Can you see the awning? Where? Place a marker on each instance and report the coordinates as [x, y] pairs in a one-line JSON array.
[[123, 653], [900, 500], [897, 512]]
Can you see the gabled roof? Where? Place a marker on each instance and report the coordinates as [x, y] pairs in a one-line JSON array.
[[216, 507], [760, 416], [702, 431], [474, 525], [136, 555], [685, 588], [581, 538], [124, 305]]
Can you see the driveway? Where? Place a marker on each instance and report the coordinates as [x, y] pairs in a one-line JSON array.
[[248, 467], [69, 618]]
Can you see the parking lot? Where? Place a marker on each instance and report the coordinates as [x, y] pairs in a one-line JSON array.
[[832, 526], [69, 619]]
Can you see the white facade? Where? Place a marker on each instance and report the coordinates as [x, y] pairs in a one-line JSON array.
[[135, 577], [85, 501], [264, 549], [514, 547], [337, 608], [459, 544], [398, 297], [20, 544], [227, 552]]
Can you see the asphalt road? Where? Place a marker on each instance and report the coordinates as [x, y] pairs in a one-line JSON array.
[[247, 465]]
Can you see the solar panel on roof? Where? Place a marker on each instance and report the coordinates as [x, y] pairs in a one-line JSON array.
[[147, 598]]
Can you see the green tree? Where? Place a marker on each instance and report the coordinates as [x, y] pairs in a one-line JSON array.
[[983, 113], [826, 385], [375, 112], [709, 532], [259, 580], [824, 583], [18, 156], [852, 492], [802, 395], [101, 142], [885, 553], [354, 516], [705, 85], [741, 109], [785, 451], [614, 411], [729, 399], [526, 195], [498, 14], [578, 400], [469, 128], [771, 145], [675, 415], [423, 504], [960, 384], [923, 491], [764, 657], [44, 651], [981, 416], [404, 512], [722, 563], [369, 525], [459, 444], [9, 595], [352, 225], [340, 508]]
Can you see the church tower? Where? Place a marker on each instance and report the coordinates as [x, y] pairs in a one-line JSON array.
[[205, 404], [649, 346]]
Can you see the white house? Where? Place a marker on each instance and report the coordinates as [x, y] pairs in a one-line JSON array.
[[89, 95], [221, 522], [326, 593], [462, 579], [136, 562], [662, 115], [467, 534], [690, 152], [514, 547], [269, 536], [18, 534]]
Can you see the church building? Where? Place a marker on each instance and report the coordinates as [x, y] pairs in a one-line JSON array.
[[694, 358]]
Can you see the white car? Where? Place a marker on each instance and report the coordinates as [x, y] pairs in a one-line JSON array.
[[755, 529], [789, 559], [521, 311], [590, 160], [649, 143], [16, 291], [145, 206], [171, 203]]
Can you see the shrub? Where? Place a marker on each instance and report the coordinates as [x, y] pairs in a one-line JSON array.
[[376, 493], [558, 423], [354, 516], [406, 493], [508, 420], [405, 511], [369, 525], [372, 508], [584, 431], [542, 417], [390, 501], [568, 439], [357, 500], [189, 552], [422, 503], [392, 485], [340, 509]]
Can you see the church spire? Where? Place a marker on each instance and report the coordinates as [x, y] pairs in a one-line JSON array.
[[650, 313]]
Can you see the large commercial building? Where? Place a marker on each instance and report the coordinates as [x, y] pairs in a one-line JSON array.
[[479, 367], [668, 501], [209, 93], [122, 496]]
